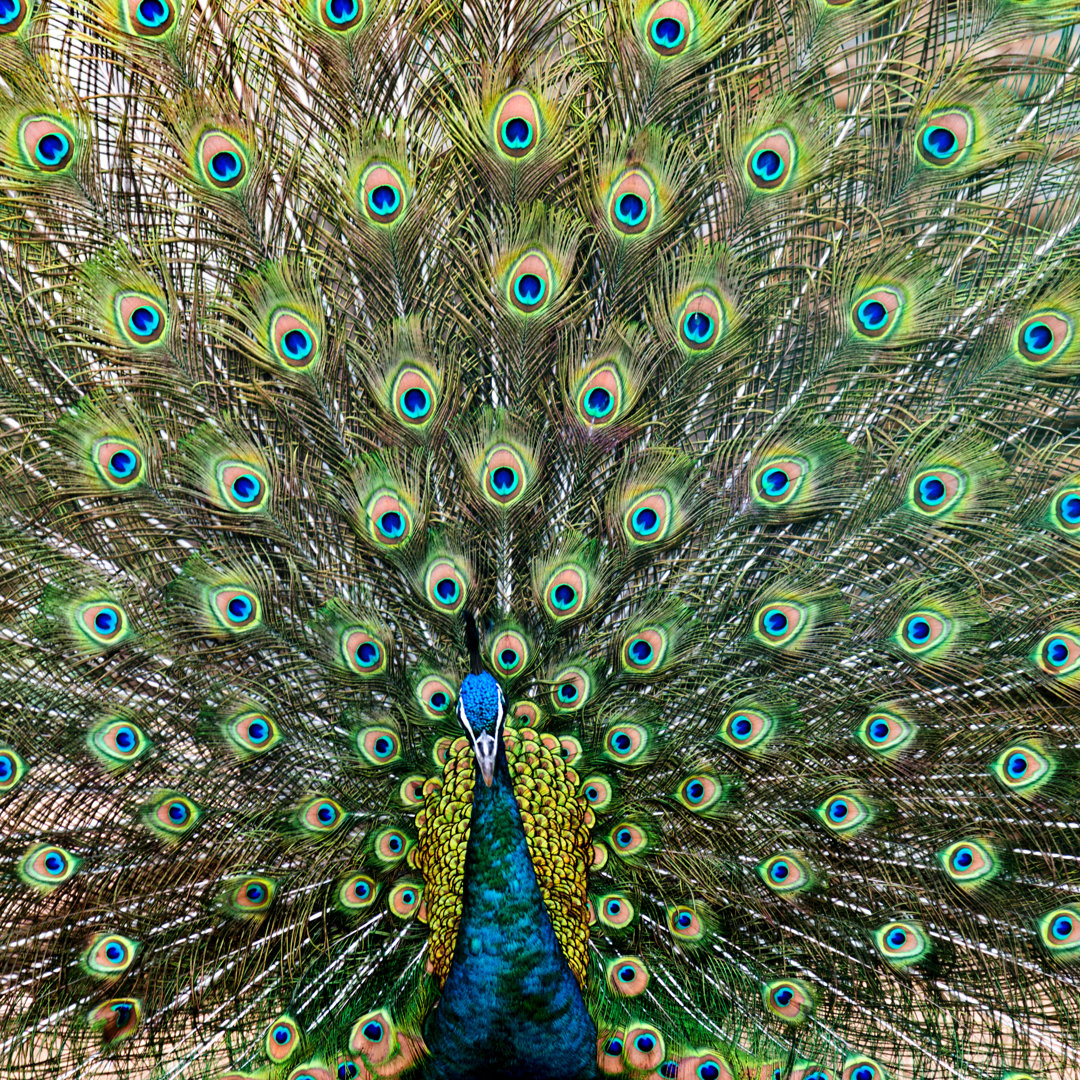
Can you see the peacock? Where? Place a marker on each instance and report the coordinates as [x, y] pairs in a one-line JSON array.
[[539, 539]]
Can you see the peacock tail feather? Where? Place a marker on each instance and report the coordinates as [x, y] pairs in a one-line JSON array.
[[539, 539]]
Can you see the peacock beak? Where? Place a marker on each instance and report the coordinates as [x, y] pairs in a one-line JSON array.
[[484, 747]]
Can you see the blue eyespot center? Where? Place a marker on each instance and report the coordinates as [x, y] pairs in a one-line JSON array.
[[963, 859], [627, 973], [438, 701], [415, 402], [384, 199], [347, 1070], [122, 464], [563, 596], [225, 165], [124, 738], [447, 590], [645, 521], [9, 11], [918, 630], [767, 164], [863, 1072], [779, 871], [667, 32], [939, 141], [1016, 766], [326, 813], [695, 791], [282, 1035], [776, 622], [52, 148], [383, 746], [741, 727], [873, 314], [178, 813], [394, 843], [342, 11], [775, 482], [152, 13], [897, 938], [392, 524], [641, 651], [879, 730], [529, 289], [240, 608], [621, 742], [630, 209], [144, 320], [698, 327], [246, 488], [708, 1070], [645, 1043], [598, 402], [297, 343], [517, 133], [1057, 652], [613, 907], [1070, 509], [931, 490], [54, 863], [568, 692], [508, 658], [685, 919], [106, 620], [613, 1047], [504, 480], [784, 996], [7, 767], [114, 952], [1062, 927], [623, 837], [1039, 338], [838, 810]]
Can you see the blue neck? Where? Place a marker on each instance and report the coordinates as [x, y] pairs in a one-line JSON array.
[[510, 1006]]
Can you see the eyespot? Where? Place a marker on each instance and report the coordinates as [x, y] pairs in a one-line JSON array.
[[236, 609], [372, 1037], [627, 839], [565, 593], [599, 397], [445, 586], [788, 999], [516, 125], [141, 319], [47, 145], [251, 895], [569, 749], [293, 340], [876, 314], [12, 15], [706, 1065], [885, 733], [116, 743], [632, 203], [597, 792], [415, 397], [1043, 336], [648, 518], [252, 733], [946, 137], [969, 863], [526, 714], [118, 462], [383, 194], [627, 976], [530, 283], [700, 792], [684, 924], [781, 623], [609, 1052], [363, 652], [923, 631], [1065, 509], [644, 1047], [644, 651], [785, 873], [357, 892], [771, 160], [404, 900], [935, 491], [346, 1070], [340, 16], [1059, 931], [902, 943], [391, 846], [379, 745], [223, 161], [116, 1018], [411, 791], [390, 520], [47, 866], [149, 18], [12, 770], [778, 481], [844, 814], [104, 623], [570, 690], [509, 654], [440, 752], [322, 816], [436, 696], [110, 955], [863, 1068], [700, 320], [1058, 653], [1022, 768], [504, 476], [615, 911], [747, 729], [172, 815], [668, 28], [282, 1039], [625, 742], [242, 487]]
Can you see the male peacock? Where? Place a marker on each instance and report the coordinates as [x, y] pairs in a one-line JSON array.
[[539, 539]]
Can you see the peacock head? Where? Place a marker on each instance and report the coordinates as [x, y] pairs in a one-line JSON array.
[[481, 708]]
